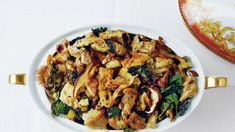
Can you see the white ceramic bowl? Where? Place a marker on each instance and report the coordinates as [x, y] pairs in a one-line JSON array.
[[40, 99]]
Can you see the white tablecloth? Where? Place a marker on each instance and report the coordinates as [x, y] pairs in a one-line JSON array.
[[27, 25]]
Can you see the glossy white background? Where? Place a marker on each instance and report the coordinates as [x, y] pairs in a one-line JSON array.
[[27, 25]]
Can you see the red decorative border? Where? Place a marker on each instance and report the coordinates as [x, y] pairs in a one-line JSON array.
[[194, 29]]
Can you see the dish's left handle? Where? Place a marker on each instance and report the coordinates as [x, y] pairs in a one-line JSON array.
[[19, 79]]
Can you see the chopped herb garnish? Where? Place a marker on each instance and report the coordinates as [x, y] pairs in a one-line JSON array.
[[128, 129], [114, 111], [58, 107]]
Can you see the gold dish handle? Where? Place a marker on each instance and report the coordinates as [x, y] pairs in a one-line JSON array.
[[17, 79], [215, 82]]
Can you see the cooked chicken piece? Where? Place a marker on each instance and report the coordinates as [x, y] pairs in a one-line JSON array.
[[74, 51], [96, 43], [136, 121], [118, 122], [137, 59], [105, 98], [85, 41], [144, 46], [113, 64], [128, 78], [128, 100], [100, 46], [70, 66], [104, 77], [113, 34], [113, 84], [83, 104], [190, 88], [83, 56], [109, 57], [152, 120], [66, 96], [162, 62], [86, 57], [95, 119]]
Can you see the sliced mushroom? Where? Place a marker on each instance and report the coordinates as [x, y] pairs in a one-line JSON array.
[[170, 114], [190, 88], [163, 81], [129, 79], [118, 91], [86, 81], [144, 101], [155, 97], [152, 120]]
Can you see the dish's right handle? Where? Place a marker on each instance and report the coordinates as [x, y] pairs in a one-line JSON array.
[[17, 79], [215, 82]]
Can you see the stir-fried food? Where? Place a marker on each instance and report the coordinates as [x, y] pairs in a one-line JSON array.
[[112, 79]]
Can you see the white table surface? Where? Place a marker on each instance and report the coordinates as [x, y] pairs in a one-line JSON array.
[[27, 25]]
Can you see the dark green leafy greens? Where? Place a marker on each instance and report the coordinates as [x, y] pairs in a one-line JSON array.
[[110, 44], [76, 39], [171, 95], [183, 107], [171, 99], [79, 115], [128, 129], [170, 102], [58, 107], [99, 30], [144, 74], [175, 85], [114, 111]]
